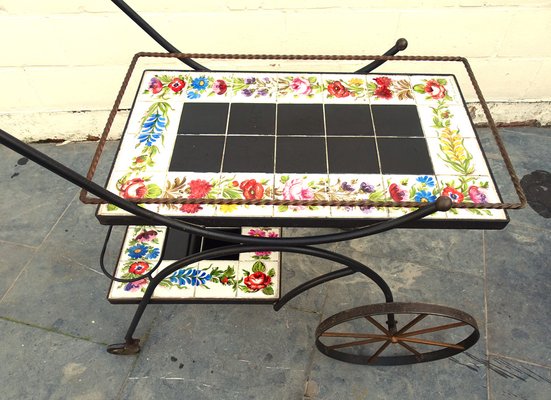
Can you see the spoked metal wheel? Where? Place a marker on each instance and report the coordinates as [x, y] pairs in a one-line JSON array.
[[423, 332]]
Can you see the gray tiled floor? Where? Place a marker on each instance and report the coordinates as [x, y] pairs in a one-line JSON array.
[[55, 321]]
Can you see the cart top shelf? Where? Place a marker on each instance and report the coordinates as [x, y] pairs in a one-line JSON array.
[[301, 136]]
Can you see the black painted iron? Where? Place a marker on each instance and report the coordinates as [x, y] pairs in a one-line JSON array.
[[400, 45]]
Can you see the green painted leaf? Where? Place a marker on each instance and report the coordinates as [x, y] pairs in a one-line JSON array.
[[442, 81], [312, 79], [271, 272], [112, 207], [153, 191], [269, 291], [419, 88], [259, 266], [282, 208], [284, 178]]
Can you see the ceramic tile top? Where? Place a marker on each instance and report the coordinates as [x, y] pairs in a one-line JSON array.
[[245, 277], [295, 136]]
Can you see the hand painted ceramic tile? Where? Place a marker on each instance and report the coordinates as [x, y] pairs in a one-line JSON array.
[[434, 89], [260, 232], [251, 87], [246, 186], [258, 279], [471, 189], [220, 281], [210, 87], [163, 85], [132, 185], [445, 119], [150, 121], [301, 187], [299, 88], [344, 89], [389, 89], [422, 188], [181, 284], [191, 185], [452, 154], [143, 243], [357, 187]]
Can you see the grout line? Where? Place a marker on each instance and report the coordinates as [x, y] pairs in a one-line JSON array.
[[57, 221], [8, 290], [51, 330], [520, 360], [485, 286], [28, 246]]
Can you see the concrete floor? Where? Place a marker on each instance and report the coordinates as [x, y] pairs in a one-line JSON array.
[[55, 321]]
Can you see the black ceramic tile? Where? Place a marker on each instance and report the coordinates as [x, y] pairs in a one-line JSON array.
[[396, 120], [178, 245], [300, 119], [348, 119], [197, 153], [301, 155], [210, 118], [251, 118], [404, 156], [352, 155], [209, 244], [249, 154]]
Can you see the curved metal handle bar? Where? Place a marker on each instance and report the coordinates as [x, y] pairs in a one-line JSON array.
[[234, 249], [123, 280], [443, 203], [400, 45], [134, 16]]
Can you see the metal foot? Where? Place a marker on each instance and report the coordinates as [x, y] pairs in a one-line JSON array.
[[130, 347]]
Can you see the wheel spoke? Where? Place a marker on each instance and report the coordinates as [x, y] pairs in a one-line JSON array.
[[430, 342], [379, 351], [377, 324], [411, 323], [355, 343], [408, 347], [434, 329], [354, 335]]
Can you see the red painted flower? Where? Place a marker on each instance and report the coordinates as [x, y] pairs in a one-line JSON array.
[[383, 81], [224, 280], [220, 87], [436, 90], [190, 208], [453, 194], [177, 85], [337, 89], [155, 85], [139, 268], [252, 189], [134, 189], [199, 188], [257, 281], [397, 193], [383, 92]]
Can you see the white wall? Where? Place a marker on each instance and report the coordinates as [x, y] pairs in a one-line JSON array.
[[58, 57]]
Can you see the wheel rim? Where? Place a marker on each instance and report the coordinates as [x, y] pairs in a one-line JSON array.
[[364, 339]]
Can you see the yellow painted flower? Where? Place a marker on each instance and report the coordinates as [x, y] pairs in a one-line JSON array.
[[228, 208], [356, 82]]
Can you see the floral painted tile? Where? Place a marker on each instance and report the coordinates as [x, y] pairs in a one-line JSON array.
[[443, 118], [208, 87], [219, 281], [144, 157], [251, 87], [163, 85], [344, 89], [260, 232], [191, 185], [434, 89], [389, 89], [181, 284], [258, 279], [134, 185], [299, 88], [301, 187], [246, 186], [143, 243], [422, 188], [452, 154], [471, 189], [357, 187]]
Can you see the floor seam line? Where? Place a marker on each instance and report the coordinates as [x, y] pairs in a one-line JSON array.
[[520, 360]]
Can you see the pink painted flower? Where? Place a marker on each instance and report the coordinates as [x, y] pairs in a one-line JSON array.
[[146, 236], [133, 189], [296, 189], [301, 86], [257, 281], [219, 87], [155, 85], [257, 232], [436, 90], [135, 286], [273, 235], [477, 195]]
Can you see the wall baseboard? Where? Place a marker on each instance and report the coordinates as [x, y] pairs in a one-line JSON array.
[[88, 125]]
